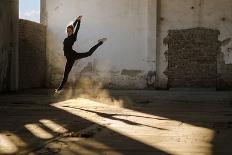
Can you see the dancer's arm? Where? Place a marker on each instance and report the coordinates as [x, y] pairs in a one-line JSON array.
[[77, 24]]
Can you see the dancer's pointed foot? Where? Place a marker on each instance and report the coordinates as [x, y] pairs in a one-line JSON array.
[[102, 40], [58, 92]]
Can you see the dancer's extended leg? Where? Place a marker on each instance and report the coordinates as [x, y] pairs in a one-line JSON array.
[[92, 50]]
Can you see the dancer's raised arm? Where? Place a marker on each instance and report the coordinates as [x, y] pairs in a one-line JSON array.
[[77, 24]]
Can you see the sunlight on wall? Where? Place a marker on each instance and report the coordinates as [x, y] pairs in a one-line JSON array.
[[38, 131]]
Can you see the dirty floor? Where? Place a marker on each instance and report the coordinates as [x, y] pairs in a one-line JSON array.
[[116, 122]]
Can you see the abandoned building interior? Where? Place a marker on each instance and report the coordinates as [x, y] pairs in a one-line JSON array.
[[152, 44], [166, 67]]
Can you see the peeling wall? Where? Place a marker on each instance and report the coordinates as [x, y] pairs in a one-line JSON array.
[[129, 25], [8, 45], [185, 14], [32, 54]]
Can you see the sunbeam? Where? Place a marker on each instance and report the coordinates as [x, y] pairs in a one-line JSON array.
[[53, 126], [37, 131], [154, 131]]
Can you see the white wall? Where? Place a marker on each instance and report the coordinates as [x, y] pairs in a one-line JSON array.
[[129, 25]]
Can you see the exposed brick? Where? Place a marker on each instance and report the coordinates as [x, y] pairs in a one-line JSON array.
[[192, 58]]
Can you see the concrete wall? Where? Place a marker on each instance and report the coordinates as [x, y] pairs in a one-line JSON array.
[[8, 45], [124, 60], [32, 54], [135, 54], [185, 14]]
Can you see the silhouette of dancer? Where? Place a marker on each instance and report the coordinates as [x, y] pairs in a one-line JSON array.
[[70, 54]]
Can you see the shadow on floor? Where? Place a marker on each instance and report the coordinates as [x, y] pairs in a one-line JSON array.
[[21, 113], [211, 110], [207, 109]]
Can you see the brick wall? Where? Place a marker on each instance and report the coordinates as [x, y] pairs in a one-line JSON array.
[[192, 58]]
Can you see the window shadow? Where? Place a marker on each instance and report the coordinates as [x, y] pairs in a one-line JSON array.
[[210, 110], [17, 111]]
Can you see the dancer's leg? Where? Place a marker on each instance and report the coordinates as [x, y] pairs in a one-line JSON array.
[[90, 52], [68, 67]]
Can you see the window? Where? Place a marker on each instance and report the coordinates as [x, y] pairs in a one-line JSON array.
[[29, 10]]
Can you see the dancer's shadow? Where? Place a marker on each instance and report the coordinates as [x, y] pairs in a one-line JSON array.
[[113, 117]]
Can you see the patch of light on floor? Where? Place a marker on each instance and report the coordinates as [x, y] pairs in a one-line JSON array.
[[6, 145], [17, 140], [176, 138], [53, 126], [91, 146], [37, 131]]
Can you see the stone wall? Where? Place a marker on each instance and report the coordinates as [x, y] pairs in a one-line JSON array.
[[32, 54], [8, 45]]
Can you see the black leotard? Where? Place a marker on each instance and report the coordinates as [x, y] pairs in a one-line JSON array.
[[70, 40]]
